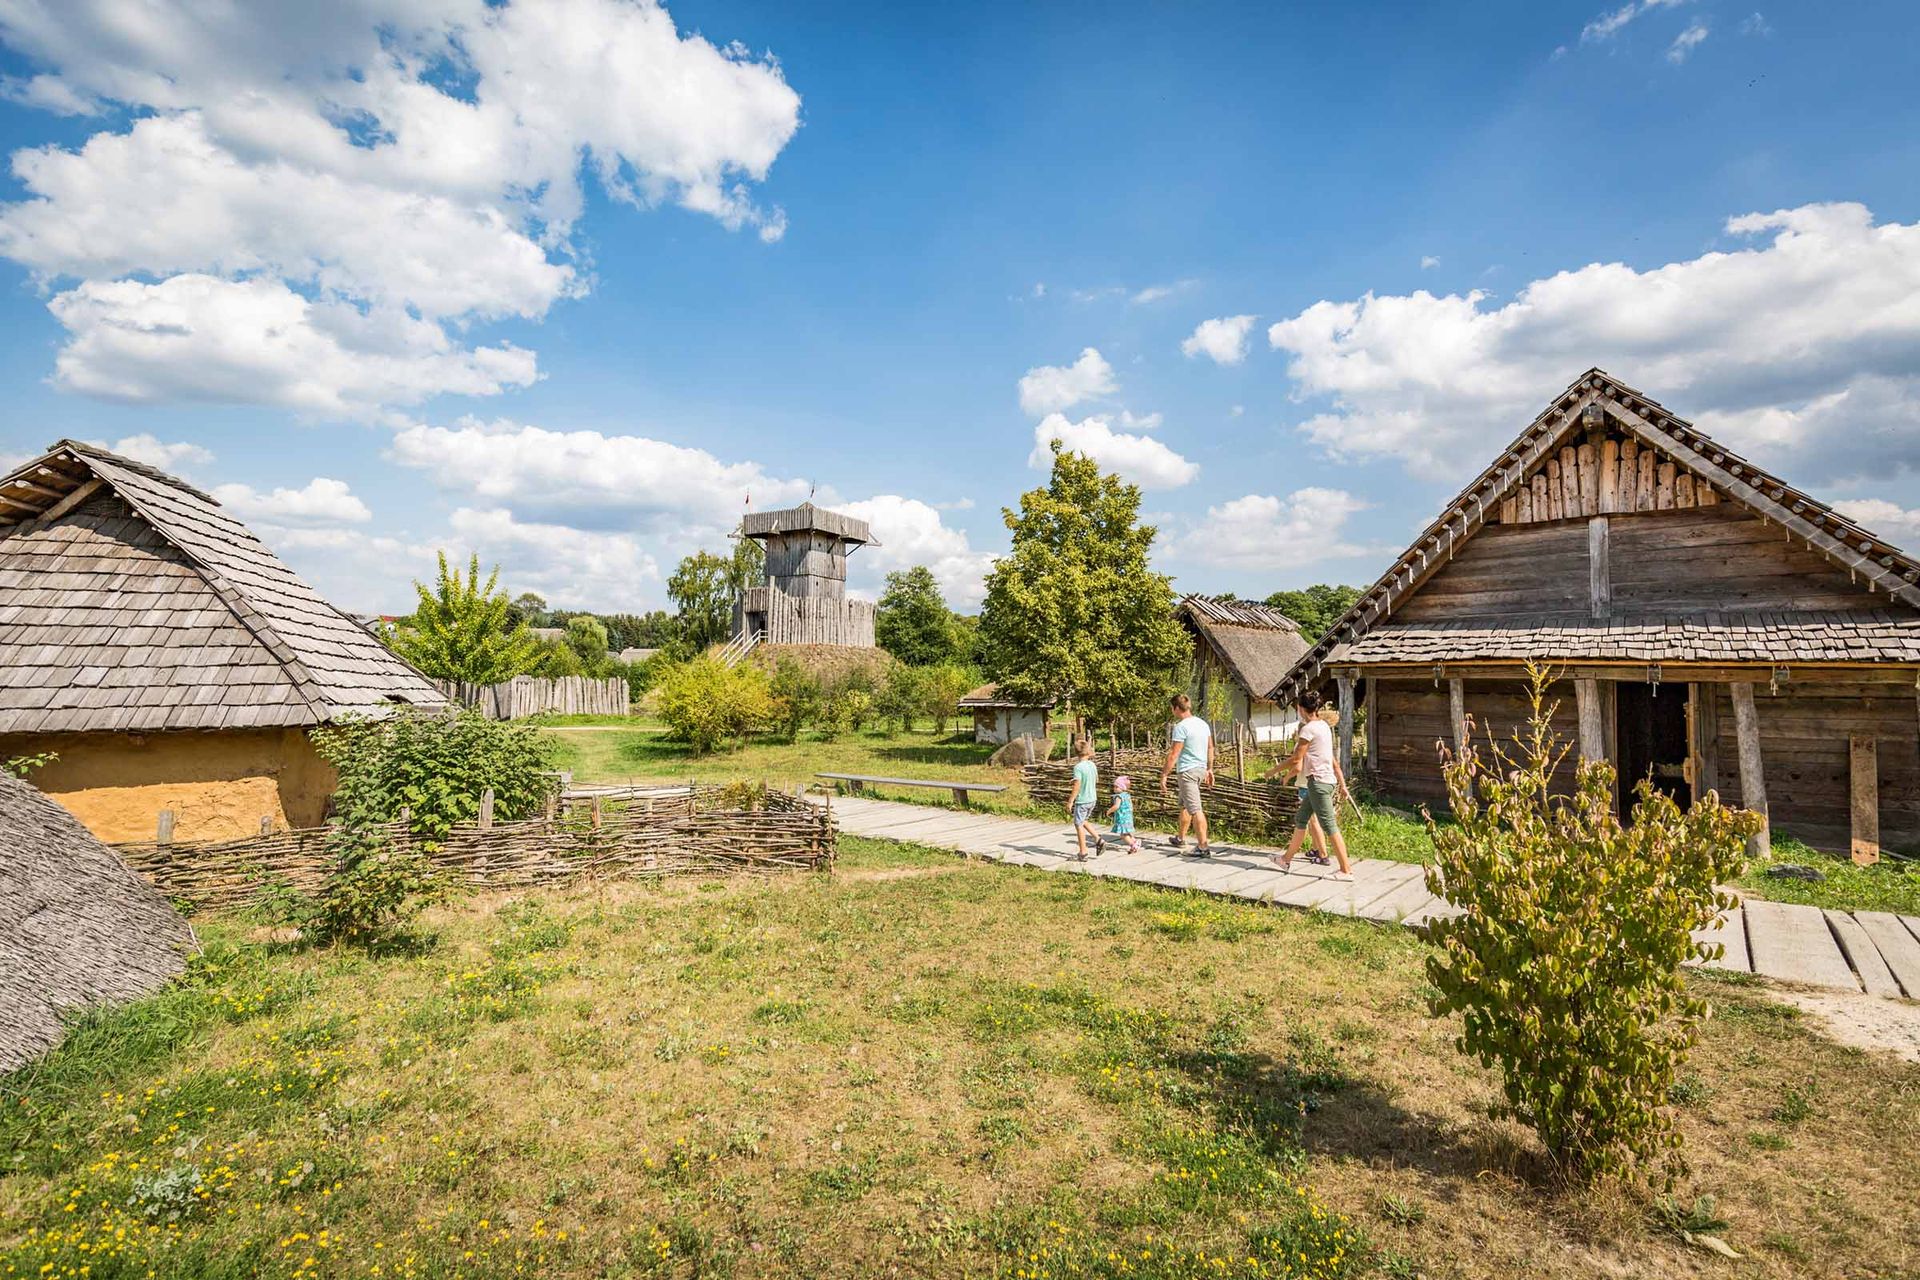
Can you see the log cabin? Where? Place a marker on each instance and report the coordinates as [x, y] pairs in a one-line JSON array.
[[1709, 626]]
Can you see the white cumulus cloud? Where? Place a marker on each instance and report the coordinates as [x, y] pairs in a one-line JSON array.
[[1684, 44], [584, 568], [911, 532], [1051, 388], [321, 501], [1889, 519], [1261, 531], [1223, 340], [419, 163], [1141, 459], [168, 455], [1802, 347]]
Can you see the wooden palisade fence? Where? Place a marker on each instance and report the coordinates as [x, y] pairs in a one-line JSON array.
[[1253, 807], [672, 831], [525, 696]]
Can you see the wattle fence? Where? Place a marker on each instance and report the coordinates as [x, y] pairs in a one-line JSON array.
[[1256, 808], [525, 696], [623, 833]]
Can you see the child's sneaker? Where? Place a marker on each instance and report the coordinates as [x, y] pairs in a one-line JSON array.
[[1177, 843], [1319, 859]]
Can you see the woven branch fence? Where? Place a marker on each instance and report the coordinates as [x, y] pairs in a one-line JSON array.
[[524, 696], [706, 830], [1251, 808]]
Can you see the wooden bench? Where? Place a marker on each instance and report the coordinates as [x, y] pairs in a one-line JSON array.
[[857, 782]]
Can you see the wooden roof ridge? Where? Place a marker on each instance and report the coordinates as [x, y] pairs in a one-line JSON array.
[[1885, 566], [1235, 613]]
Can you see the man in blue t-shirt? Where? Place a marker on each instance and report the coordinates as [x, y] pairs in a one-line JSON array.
[[1190, 758]]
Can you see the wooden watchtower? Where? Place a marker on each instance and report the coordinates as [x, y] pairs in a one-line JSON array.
[[805, 598]]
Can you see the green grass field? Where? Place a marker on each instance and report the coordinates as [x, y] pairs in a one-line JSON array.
[[913, 1065], [604, 750]]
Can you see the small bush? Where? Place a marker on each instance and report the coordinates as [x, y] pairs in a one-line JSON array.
[[796, 698], [706, 703], [1565, 965]]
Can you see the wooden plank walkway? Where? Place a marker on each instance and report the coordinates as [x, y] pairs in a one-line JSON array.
[[1875, 952]]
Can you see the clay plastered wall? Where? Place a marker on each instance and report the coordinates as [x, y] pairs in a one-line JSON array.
[[218, 785]]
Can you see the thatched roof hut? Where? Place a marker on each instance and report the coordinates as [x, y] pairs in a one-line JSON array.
[[1241, 650], [133, 605], [77, 928], [1000, 718]]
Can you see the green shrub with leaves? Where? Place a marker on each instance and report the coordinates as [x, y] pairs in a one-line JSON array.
[[1565, 966], [796, 698], [434, 766], [902, 696], [707, 703]]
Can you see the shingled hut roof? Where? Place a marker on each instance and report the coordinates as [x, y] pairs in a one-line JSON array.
[[132, 601], [804, 518], [1368, 633], [1255, 642], [77, 928]]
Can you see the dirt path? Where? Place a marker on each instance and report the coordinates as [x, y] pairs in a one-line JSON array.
[[1863, 1021]]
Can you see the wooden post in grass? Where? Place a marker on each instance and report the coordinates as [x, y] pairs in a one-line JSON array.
[[1863, 753], [486, 809]]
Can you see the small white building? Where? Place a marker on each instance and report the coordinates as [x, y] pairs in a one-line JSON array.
[[999, 720], [1240, 651]]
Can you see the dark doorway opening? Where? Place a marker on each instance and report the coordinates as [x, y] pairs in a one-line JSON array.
[[1650, 733]]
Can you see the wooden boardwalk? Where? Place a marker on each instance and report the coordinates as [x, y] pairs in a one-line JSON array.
[[1870, 951]]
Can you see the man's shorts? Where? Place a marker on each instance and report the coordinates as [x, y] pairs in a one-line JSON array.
[[1317, 802], [1082, 813], [1190, 792]]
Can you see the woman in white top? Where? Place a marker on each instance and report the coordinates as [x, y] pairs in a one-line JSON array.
[[1313, 758]]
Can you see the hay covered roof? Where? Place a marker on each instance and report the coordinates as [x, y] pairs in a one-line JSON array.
[[77, 928], [132, 601], [988, 695], [1256, 643], [1368, 631]]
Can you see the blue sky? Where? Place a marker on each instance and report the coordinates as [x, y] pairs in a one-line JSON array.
[[566, 282]]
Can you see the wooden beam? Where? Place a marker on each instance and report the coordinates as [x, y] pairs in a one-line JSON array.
[[1593, 734], [1599, 568], [1753, 782], [1899, 676], [1863, 751], [1610, 475], [31, 487], [1372, 687], [1457, 713], [69, 502], [1345, 686], [1706, 738]]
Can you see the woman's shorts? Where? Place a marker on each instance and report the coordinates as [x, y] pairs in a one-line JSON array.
[[1317, 802]]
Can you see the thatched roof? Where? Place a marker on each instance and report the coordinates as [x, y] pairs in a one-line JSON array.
[[77, 928], [1876, 564], [129, 600], [1254, 643], [807, 517], [988, 695]]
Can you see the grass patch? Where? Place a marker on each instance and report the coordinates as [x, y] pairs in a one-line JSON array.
[[919, 1065], [1889, 885]]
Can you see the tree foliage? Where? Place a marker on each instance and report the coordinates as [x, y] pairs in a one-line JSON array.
[[912, 621], [796, 698], [703, 588], [707, 703], [587, 637], [1565, 966], [1073, 612], [1315, 608], [432, 766], [464, 629]]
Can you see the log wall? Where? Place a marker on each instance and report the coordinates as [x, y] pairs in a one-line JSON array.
[[1804, 733], [1721, 558], [1413, 716], [1533, 569]]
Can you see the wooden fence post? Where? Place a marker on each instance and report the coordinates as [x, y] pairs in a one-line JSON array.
[[486, 809], [1863, 754], [163, 830]]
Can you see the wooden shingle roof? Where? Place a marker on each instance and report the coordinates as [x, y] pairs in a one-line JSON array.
[[1874, 635], [130, 600], [1877, 564], [807, 517]]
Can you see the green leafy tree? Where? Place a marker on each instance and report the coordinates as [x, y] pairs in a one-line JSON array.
[[1565, 964], [941, 689], [463, 629], [912, 621], [901, 696], [530, 608], [706, 703], [796, 698], [1073, 612], [654, 630], [703, 588], [587, 637], [1315, 608]]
